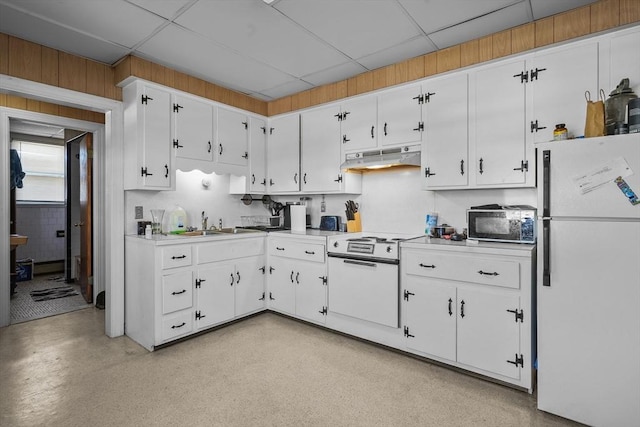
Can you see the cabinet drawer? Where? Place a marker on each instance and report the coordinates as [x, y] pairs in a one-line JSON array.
[[476, 269], [229, 249], [297, 250], [176, 256], [177, 324], [177, 291]]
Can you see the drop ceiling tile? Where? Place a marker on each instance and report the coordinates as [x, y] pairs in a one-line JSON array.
[[114, 20], [410, 49], [355, 27], [165, 8], [256, 30], [36, 30], [494, 22], [434, 15], [291, 87], [544, 8], [191, 53], [334, 74]]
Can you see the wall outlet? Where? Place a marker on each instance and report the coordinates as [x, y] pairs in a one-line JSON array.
[[139, 212], [323, 206]]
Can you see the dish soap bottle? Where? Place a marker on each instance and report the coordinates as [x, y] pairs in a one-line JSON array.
[[147, 232], [178, 220]]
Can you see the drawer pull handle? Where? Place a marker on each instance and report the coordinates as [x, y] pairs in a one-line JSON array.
[[462, 309], [238, 275], [179, 292], [484, 273], [279, 249], [291, 276], [427, 266], [450, 302], [178, 326], [232, 280], [297, 278], [179, 257], [309, 252]]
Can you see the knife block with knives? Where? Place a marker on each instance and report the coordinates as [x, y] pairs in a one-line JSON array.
[[354, 224]]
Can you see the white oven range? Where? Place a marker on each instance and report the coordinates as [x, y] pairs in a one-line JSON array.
[[364, 276]]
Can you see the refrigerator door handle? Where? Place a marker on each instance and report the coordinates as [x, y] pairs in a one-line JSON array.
[[546, 183], [546, 267]]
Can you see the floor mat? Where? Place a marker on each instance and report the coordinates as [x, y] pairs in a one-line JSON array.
[[24, 308], [52, 293]]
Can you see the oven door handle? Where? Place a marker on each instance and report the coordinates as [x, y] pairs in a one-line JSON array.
[[366, 264]]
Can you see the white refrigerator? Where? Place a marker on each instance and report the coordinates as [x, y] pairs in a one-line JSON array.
[[588, 280]]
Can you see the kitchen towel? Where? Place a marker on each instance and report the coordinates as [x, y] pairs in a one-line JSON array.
[[298, 217]]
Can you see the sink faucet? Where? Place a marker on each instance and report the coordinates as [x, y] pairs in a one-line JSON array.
[[204, 221]]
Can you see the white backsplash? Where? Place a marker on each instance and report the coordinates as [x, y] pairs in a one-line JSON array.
[[391, 201]]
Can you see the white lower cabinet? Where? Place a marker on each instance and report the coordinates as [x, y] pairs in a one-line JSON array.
[[473, 311], [174, 288], [297, 278]]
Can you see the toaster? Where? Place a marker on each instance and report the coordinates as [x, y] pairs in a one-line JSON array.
[[330, 222]]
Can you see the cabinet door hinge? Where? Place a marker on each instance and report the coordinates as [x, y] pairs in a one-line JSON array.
[[524, 76], [264, 129], [199, 315], [324, 280], [246, 125], [519, 315], [427, 96], [535, 127], [143, 172], [263, 269], [419, 98], [534, 73], [406, 295], [176, 144], [406, 332], [518, 362], [271, 270], [428, 173], [420, 127], [199, 283], [271, 297], [145, 98], [339, 178], [177, 107], [524, 166], [323, 311], [261, 299]]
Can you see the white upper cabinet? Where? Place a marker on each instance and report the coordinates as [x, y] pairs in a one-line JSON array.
[[400, 116], [619, 59], [283, 155], [358, 119], [232, 143], [148, 158], [320, 146], [498, 125], [192, 128], [559, 80], [257, 155], [445, 158]]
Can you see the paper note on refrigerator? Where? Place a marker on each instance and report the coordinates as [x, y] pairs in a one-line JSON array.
[[603, 174]]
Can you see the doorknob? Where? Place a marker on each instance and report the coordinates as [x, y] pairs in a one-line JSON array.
[[78, 224]]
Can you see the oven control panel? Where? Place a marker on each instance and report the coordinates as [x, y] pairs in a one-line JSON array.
[[360, 248]]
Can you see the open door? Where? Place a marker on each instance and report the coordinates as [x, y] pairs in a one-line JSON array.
[[85, 223]]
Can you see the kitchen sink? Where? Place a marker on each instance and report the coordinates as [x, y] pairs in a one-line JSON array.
[[228, 230], [235, 230]]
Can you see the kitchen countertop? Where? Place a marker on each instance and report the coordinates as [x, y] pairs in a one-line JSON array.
[[172, 239], [468, 246], [310, 232]]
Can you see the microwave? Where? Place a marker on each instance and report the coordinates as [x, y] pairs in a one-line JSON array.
[[514, 224]]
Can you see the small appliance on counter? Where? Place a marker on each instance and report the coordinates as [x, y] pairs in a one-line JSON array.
[[288, 218], [513, 224], [330, 223]]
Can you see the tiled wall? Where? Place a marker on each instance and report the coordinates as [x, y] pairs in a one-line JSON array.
[[40, 223]]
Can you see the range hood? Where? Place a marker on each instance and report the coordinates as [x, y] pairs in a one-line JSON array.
[[383, 159]]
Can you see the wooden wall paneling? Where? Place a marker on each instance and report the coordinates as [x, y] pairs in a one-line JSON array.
[[49, 108], [50, 66], [402, 72], [352, 86], [485, 49], [364, 82], [469, 53], [430, 64], [72, 72], [96, 75], [122, 70], [415, 68], [379, 78], [629, 11], [197, 86], [181, 81], [448, 59], [544, 31], [523, 38], [33, 105], [279, 106], [604, 15], [16, 102], [141, 68], [301, 100], [3, 99], [25, 59], [342, 89], [501, 44], [4, 53], [158, 74], [110, 89], [391, 76], [572, 24]]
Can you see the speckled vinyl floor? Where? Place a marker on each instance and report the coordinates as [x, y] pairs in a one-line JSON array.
[[24, 308], [267, 370]]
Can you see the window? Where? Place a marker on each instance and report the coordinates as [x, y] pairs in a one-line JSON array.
[[43, 165]]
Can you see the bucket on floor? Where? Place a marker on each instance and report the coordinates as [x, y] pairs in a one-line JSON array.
[[24, 270]]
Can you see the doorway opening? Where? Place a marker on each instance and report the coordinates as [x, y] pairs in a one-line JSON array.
[[52, 208]]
